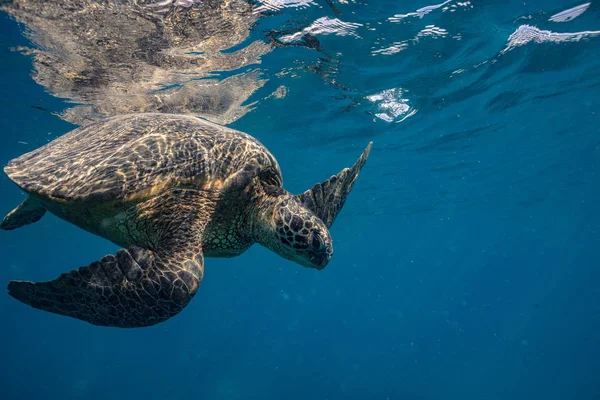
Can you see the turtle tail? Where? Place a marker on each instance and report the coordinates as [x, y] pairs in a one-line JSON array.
[[28, 212]]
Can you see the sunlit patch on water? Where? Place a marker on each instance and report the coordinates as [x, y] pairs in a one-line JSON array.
[[570, 14], [396, 47], [325, 26], [391, 105], [432, 31], [275, 5], [422, 12], [526, 34]]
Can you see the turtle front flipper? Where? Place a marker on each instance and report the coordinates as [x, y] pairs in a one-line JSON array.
[[135, 288], [326, 199], [27, 212]]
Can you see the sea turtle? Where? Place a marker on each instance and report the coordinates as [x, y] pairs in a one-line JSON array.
[[170, 189]]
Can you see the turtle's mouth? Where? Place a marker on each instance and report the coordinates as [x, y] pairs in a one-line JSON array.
[[319, 260], [310, 260]]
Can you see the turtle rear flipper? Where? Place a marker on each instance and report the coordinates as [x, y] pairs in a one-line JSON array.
[[27, 212], [326, 199], [139, 286], [135, 288]]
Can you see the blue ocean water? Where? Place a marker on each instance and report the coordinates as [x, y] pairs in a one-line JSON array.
[[467, 257]]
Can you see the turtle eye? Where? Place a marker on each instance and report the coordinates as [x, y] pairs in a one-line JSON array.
[[316, 240]]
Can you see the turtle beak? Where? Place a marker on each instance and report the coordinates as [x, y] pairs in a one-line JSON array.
[[317, 259], [322, 250], [320, 261]]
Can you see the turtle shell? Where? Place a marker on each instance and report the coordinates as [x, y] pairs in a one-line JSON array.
[[135, 157]]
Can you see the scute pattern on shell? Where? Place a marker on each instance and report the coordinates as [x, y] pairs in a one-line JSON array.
[[133, 157]]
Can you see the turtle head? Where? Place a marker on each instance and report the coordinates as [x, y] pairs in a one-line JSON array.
[[293, 231]]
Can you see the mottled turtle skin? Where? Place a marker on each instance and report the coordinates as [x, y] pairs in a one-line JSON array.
[[169, 189]]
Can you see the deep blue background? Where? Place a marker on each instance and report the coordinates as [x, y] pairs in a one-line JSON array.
[[466, 260]]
